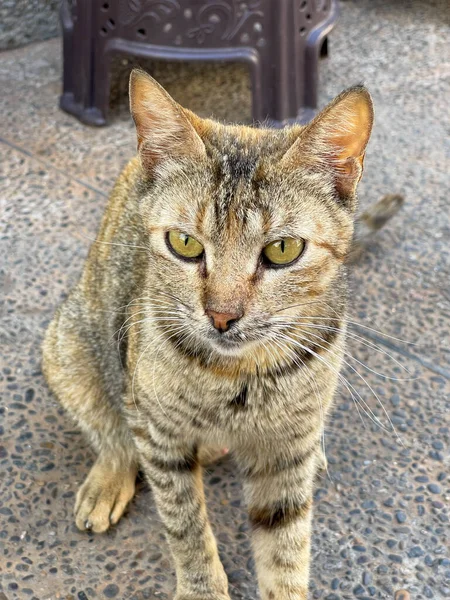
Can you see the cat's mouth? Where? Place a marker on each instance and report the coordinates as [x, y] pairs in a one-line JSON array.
[[229, 347], [230, 344]]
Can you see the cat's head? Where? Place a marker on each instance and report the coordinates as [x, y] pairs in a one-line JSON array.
[[248, 228]]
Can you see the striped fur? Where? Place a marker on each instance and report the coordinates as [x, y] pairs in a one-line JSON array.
[[135, 360]]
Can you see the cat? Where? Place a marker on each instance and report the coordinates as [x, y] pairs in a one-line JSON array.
[[211, 315]]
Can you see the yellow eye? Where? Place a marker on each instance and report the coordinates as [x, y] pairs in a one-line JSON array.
[[283, 252], [184, 245]]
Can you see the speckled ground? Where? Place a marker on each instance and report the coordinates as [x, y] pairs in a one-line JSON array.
[[382, 515]]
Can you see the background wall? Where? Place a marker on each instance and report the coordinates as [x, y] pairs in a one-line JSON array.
[[25, 21]]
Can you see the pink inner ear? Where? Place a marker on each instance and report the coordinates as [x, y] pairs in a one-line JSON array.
[[336, 139], [350, 135], [154, 112], [163, 130]]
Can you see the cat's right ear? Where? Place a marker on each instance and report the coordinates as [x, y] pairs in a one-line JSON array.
[[163, 128], [336, 140]]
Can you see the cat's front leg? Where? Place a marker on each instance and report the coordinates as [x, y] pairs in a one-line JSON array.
[[175, 475], [279, 496]]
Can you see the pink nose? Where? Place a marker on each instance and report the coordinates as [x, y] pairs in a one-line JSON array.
[[222, 321]]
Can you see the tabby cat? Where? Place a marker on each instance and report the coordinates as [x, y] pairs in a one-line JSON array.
[[211, 314]]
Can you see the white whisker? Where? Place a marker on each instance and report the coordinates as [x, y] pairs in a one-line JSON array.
[[367, 410], [363, 379], [361, 340], [295, 321], [317, 395], [97, 241], [349, 321], [137, 365]]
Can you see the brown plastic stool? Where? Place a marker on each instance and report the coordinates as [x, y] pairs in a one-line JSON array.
[[280, 40]]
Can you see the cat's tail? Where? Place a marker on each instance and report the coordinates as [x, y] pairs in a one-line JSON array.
[[370, 221]]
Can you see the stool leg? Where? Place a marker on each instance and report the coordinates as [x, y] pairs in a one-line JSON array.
[[68, 68], [258, 91], [317, 46], [276, 90], [286, 87], [79, 77], [76, 63], [100, 88], [273, 94]]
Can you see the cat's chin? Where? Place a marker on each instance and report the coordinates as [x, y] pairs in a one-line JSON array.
[[228, 348]]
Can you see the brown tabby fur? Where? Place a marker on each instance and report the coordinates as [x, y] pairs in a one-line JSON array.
[[134, 359]]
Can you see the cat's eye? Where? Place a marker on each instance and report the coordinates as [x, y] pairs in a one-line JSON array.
[[184, 245], [283, 252]]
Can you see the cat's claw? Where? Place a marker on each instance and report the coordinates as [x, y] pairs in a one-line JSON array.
[[323, 463]]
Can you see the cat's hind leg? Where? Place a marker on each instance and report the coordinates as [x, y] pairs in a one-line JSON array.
[[81, 385], [208, 455]]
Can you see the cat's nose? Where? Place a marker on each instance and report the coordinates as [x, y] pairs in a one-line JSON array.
[[222, 321]]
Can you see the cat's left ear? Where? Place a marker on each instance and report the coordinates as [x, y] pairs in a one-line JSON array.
[[336, 140], [164, 129]]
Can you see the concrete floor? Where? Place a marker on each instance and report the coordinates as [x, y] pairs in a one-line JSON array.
[[382, 516]]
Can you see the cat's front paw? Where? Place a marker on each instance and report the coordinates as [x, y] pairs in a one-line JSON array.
[[103, 497], [216, 592]]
